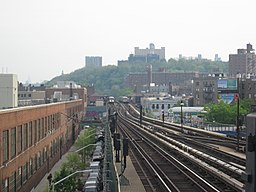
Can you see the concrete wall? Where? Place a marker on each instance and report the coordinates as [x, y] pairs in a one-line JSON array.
[[8, 91]]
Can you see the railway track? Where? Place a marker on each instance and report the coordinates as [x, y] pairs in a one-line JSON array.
[[203, 143], [163, 171], [160, 144]]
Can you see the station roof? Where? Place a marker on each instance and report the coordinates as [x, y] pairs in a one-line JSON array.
[[187, 109]]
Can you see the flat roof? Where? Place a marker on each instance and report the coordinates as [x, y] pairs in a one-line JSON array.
[[187, 109]]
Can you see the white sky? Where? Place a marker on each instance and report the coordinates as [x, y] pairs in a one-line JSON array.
[[40, 38]]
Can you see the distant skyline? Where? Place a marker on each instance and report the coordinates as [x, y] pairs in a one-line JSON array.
[[40, 39]]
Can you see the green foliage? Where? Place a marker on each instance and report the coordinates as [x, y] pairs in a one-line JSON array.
[[70, 184], [227, 113], [73, 162], [109, 80], [86, 138]]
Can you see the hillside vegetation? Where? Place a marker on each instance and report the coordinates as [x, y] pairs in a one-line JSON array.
[[108, 80]]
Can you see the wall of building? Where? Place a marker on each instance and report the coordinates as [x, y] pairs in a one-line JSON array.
[[205, 90], [33, 139], [244, 62], [8, 91], [149, 51], [80, 92], [93, 61]]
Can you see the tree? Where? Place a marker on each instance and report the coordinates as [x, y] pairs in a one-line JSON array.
[[86, 138], [70, 184], [73, 162], [227, 113]]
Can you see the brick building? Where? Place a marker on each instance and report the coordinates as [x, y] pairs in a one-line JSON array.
[[205, 90], [140, 82], [244, 62], [33, 139]]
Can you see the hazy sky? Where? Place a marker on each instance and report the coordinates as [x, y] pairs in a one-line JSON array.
[[40, 38]]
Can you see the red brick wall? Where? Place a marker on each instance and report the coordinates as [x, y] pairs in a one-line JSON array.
[[12, 118]]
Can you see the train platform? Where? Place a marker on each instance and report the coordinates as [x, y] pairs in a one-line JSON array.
[[129, 181], [231, 151]]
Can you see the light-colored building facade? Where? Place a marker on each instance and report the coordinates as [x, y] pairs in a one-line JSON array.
[[93, 61], [8, 91], [26, 98], [150, 51], [157, 106]]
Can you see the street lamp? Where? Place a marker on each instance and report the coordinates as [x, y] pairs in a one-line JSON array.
[[163, 116], [181, 113], [238, 110], [81, 171]]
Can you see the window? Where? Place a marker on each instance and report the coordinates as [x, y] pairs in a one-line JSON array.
[[12, 182], [29, 95], [169, 106], [49, 124], [153, 106], [5, 146], [25, 173], [162, 106], [44, 154], [45, 126], [19, 179], [43, 133], [51, 150], [13, 142], [5, 185], [25, 136], [157, 106], [39, 129], [35, 131], [31, 167], [30, 138], [35, 164], [39, 159], [19, 138]]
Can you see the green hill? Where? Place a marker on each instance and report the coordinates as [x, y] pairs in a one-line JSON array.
[[108, 80]]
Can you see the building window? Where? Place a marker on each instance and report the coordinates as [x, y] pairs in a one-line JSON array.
[[29, 95], [43, 133], [5, 185], [5, 146], [157, 106], [25, 136], [39, 129], [153, 106], [51, 150], [162, 106], [19, 179], [49, 124], [13, 142], [35, 131], [30, 138], [31, 164], [12, 182], [25, 173], [19, 138], [45, 126], [35, 163], [169, 106], [39, 159]]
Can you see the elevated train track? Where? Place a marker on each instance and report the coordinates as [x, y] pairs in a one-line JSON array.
[[158, 140]]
